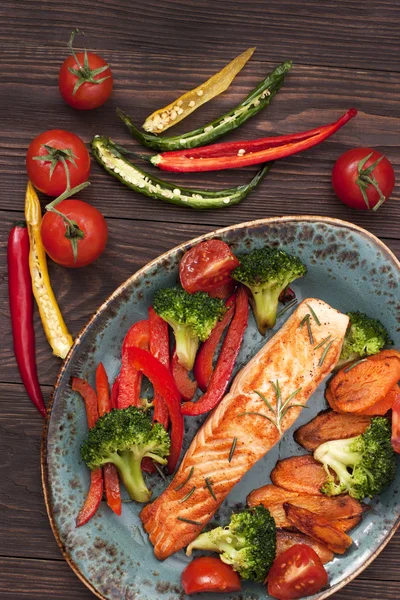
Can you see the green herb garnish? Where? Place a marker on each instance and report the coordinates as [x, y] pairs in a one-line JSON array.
[[186, 480]]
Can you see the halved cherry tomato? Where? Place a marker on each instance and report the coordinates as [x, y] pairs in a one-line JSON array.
[[207, 266], [58, 150], [363, 178], [209, 574], [296, 573], [396, 424]]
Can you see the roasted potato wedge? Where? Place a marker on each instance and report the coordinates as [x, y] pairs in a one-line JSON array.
[[318, 528], [287, 539], [347, 524], [330, 425], [302, 474]]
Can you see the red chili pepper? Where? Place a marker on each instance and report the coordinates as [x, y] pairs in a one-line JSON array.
[[111, 480], [203, 366], [186, 386], [130, 379], [95, 493], [226, 360], [159, 347], [233, 155], [21, 311], [115, 392], [163, 384]]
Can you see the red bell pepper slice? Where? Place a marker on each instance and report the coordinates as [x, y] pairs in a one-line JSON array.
[[226, 360], [163, 384], [186, 386], [111, 480], [203, 366], [129, 378], [115, 392], [233, 155], [159, 347], [95, 493]]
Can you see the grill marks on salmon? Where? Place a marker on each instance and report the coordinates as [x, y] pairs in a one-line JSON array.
[[206, 476]]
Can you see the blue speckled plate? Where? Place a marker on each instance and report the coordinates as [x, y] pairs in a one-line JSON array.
[[348, 268]]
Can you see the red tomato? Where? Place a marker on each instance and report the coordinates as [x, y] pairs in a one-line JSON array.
[[207, 266], [296, 573], [63, 144], [209, 574], [224, 290], [88, 219], [396, 424], [351, 179], [89, 94]]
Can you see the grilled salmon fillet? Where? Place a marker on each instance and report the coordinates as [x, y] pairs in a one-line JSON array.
[[243, 427]]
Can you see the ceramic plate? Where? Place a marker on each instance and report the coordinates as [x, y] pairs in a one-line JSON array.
[[349, 268]]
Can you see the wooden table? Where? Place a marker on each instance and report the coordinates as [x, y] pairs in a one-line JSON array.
[[345, 53]]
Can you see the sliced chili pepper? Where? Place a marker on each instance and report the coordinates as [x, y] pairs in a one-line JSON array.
[[21, 311], [111, 159], [159, 347], [115, 392], [203, 367], [95, 493], [226, 361], [186, 386], [255, 102], [130, 379], [163, 384], [111, 480], [170, 115], [234, 155], [93, 498]]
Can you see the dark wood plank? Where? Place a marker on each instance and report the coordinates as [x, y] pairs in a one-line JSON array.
[[144, 81], [343, 32], [80, 291]]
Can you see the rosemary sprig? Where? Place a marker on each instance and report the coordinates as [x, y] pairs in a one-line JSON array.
[[179, 487], [349, 368], [304, 319], [325, 352], [288, 306], [312, 311], [322, 342], [310, 335], [161, 474], [233, 448], [282, 407], [190, 521], [210, 489], [187, 495]]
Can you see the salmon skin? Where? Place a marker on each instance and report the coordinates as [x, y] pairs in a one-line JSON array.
[[238, 432]]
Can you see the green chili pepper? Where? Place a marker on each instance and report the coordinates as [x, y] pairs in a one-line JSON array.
[[108, 155], [258, 99]]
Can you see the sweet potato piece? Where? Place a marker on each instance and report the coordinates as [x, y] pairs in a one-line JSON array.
[[287, 539], [383, 406], [347, 524], [330, 425], [270, 494], [319, 528], [300, 474], [366, 384]]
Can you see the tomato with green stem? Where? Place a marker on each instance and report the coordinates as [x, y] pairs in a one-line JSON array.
[[363, 178], [85, 80], [78, 244], [57, 160]]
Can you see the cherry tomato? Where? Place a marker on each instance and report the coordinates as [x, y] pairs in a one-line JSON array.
[[363, 184], [396, 423], [209, 574], [89, 220], [61, 145], [207, 266], [224, 290], [296, 573]]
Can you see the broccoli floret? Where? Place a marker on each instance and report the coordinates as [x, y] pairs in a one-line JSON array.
[[248, 543], [364, 465], [267, 272], [124, 437], [364, 336], [191, 316]]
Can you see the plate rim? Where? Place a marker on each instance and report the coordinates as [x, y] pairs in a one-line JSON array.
[[211, 234]]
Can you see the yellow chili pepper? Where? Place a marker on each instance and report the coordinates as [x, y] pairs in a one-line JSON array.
[[162, 119], [53, 323]]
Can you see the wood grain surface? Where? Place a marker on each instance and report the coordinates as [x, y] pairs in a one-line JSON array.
[[345, 53]]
